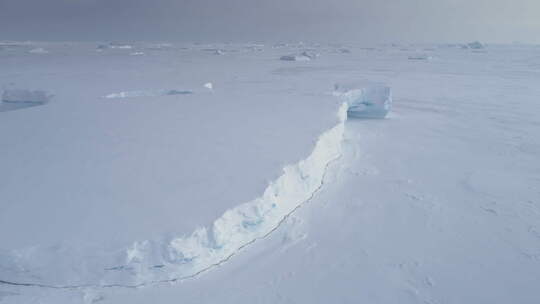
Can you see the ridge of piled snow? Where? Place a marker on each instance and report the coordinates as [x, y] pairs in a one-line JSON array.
[[240, 226], [175, 259]]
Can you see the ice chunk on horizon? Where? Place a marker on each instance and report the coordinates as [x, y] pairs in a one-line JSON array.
[[214, 51], [16, 99], [121, 46], [159, 46], [149, 93], [209, 85], [304, 56], [26, 96], [293, 58], [114, 45], [38, 51], [475, 45], [420, 57], [372, 101]]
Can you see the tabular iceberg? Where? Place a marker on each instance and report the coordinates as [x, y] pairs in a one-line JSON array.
[[368, 102]]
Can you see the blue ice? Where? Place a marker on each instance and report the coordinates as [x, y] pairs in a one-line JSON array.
[[368, 102]]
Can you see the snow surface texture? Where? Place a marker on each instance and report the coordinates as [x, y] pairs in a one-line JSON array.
[[437, 204], [214, 149]]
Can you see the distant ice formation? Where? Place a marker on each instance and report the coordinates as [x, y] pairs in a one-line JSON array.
[[214, 51], [254, 47], [209, 85], [121, 46], [16, 99], [38, 51], [372, 101], [420, 57], [294, 58], [159, 46], [114, 45], [304, 56], [148, 93], [14, 44], [475, 45], [26, 96]]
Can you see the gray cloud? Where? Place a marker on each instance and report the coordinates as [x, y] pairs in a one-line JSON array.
[[240, 20]]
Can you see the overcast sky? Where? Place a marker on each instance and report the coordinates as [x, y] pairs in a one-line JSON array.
[[272, 20]]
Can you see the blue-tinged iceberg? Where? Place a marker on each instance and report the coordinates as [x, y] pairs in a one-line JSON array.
[[373, 101]]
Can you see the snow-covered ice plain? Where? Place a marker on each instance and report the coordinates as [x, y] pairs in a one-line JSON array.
[[138, 183]]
